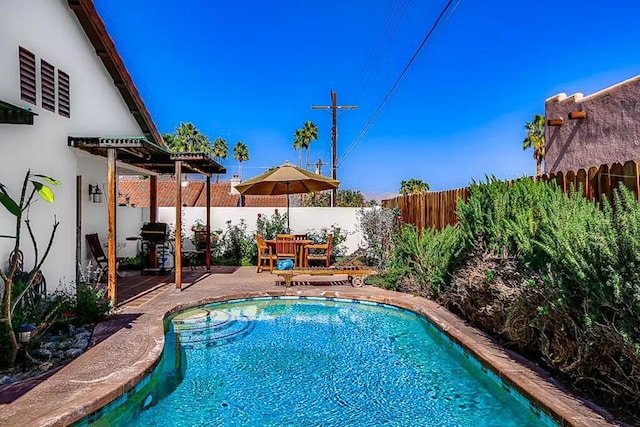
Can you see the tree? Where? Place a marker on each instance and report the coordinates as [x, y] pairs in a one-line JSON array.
[[310, 133], [413, 186], [302, 139], [241, 154], [187, 138], [346, 199], [20, 210], [298, 144], [535, 138], [220, 151]]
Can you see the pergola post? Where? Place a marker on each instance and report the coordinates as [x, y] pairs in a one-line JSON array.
[[111, 239], [178, 260], [153, 217], [208, 256]]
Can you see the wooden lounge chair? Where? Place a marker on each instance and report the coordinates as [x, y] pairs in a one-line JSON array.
[[93, 241], [351, 266], [265, 254]]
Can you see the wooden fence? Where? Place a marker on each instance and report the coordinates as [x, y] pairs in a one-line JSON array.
[[438, 209], [431, 209]]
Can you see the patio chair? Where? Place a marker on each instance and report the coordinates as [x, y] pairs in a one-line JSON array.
[[93, 241], [319, 252], [264, 254], [286, 247]]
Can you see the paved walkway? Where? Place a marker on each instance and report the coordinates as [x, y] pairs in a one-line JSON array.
[[126, 348]]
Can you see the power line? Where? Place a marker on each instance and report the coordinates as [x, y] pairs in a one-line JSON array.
[[382, 43], [375, 114]]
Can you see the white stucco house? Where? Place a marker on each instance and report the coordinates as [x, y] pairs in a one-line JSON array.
[[66, 99]]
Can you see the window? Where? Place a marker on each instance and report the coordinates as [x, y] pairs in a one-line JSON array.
[[64, 103], [27, 75], [48, 82]]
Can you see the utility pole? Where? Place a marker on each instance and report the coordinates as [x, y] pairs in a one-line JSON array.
[[334, 136], [319, 165]]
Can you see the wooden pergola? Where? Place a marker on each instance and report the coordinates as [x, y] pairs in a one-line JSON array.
[[139, 152]]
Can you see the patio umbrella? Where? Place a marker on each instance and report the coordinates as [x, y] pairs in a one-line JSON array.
[[286, 179]]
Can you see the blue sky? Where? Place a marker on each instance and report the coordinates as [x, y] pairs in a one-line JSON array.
[[250, 70]]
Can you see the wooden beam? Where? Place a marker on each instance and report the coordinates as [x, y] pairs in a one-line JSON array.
[[153, 217], [208, 210], [112, 200], [79, 197], [577, 115], [555, 122], [178, 262]]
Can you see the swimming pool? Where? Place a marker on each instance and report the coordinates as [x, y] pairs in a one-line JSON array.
[[315, 361]]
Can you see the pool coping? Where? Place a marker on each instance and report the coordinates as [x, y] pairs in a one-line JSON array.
[[94, 379]]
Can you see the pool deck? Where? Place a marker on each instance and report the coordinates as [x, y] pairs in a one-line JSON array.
[[127, 347]]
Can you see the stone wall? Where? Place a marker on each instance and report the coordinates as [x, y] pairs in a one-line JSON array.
[[609, 133]]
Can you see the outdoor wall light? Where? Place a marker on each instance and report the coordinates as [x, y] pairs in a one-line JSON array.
[[95, 193]]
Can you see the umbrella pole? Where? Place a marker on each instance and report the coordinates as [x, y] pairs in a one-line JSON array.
[[288, 226]]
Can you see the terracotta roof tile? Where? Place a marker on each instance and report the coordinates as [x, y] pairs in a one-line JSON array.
[[136, 193]]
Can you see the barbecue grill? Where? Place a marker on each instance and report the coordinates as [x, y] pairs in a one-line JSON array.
[[156, 234]]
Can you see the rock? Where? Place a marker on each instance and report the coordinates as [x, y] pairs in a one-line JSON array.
[[63, 345], [72, 330], [42, 353], [73, 352], [83, 336], [45, 366], [7, 379], [81, 344]]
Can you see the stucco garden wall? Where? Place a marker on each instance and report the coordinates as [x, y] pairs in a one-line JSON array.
[[609, 133], [302, 219]]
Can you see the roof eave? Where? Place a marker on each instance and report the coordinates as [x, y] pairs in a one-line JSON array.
[[105, 48]]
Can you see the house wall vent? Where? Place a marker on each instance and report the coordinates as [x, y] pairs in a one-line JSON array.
[[27, 75], [48, 84], [64, 101]]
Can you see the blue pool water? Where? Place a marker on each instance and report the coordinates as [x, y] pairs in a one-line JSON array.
[[313, 362]]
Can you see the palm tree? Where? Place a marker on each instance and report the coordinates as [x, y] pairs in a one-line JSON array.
[[241, 154], [535, 138], [298, 144], [413, 186], [220, 151], [310, 132], [187, 138]]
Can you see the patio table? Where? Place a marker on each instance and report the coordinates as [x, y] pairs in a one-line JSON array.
[[299, 248]]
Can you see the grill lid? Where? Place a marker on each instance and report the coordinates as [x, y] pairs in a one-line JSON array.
[[155, 231]]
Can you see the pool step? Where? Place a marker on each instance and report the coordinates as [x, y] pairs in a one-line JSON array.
[[204, 328]]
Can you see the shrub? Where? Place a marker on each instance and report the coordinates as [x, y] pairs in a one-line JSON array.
[[131, 263], [269, 227], [91, 302], [427, 258], [377, 226], [236, 245], [583, 319]]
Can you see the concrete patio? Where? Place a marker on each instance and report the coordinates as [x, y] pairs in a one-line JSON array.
[[127, 347]]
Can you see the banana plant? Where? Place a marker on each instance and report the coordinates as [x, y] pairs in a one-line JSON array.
[[34, 187]]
